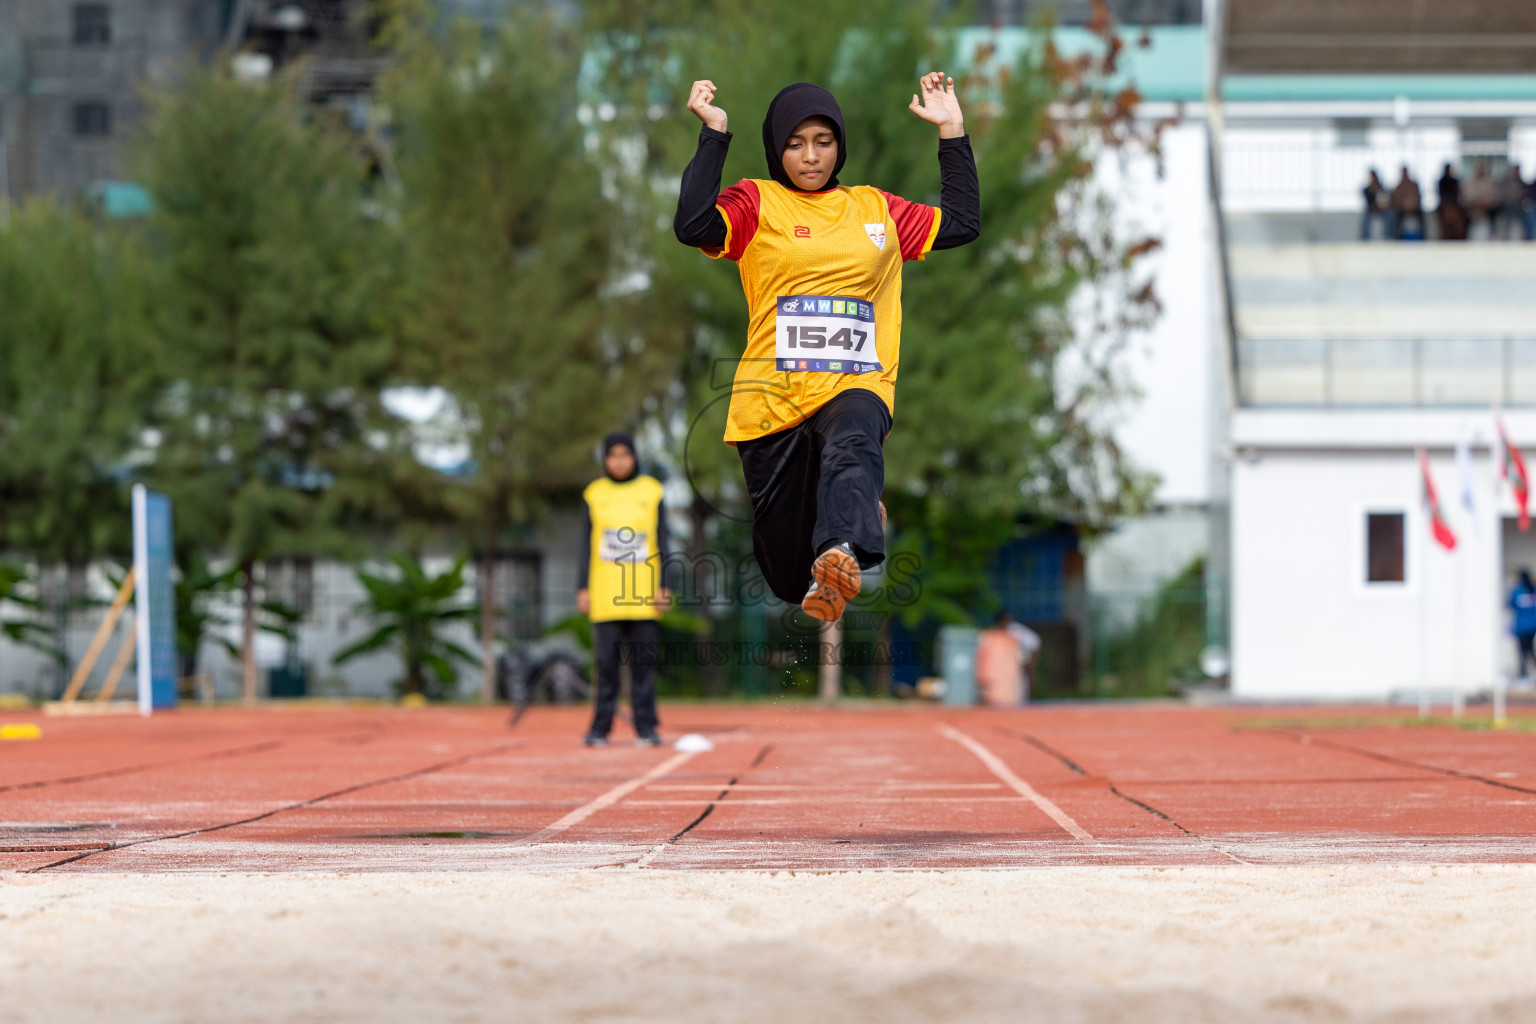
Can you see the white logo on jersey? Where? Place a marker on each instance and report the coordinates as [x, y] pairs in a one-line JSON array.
[[876, 234]]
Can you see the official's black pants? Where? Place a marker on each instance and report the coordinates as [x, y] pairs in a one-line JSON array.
[[1525, 644], [817, 482], [632, 642]]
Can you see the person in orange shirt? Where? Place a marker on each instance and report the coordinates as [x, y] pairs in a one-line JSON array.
[[820, 263], [1005, 656], [999, 667]]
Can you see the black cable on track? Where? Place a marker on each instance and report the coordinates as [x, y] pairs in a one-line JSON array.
[[133, 769], [1309, 739], [696, 822], [416, 773], [1142, 804]]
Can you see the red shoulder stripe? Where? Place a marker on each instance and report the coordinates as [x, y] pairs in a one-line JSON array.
[[914, 225], [740, 205]]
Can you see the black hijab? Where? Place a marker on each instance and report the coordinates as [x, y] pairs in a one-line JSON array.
[[619, 437], [794, 104]]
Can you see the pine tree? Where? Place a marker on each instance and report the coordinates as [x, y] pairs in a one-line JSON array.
[[516, 296], [72, 381], [270, 333]]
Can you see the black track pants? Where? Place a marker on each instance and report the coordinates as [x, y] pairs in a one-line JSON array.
[[631, 642], [816, 482]]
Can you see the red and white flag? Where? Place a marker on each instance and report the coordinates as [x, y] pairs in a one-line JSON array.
[[1444, 535], [1512, 469]]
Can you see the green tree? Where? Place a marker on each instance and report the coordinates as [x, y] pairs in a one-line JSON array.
[[517, 288], [266, 287], [411, 608], [73, 379], [1160, 649]]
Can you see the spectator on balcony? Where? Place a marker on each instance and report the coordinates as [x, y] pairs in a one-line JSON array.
[[1407, 208], [1482, 196], [1528, 209], [1450, 217], [1375, 206], [1511, 202]]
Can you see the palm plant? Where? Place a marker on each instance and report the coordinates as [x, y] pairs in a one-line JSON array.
[[198, 590], [411, 609], [25, 629]]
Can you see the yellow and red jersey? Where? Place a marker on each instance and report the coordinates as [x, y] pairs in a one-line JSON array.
[[822, 276]]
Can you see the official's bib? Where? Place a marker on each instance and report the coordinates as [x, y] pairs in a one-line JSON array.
[[825, 334], [622, 545]]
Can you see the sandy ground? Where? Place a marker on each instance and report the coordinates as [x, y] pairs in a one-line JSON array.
[[1191, 945]]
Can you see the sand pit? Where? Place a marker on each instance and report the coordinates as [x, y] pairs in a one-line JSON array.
[[1103, 864], [1186, 945]]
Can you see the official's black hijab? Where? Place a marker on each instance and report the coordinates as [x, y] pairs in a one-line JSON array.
[[619, 437], [794, 104]]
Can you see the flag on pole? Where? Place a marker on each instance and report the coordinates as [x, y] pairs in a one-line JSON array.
[[1468, 482], [1444, 535], [1512, 469]]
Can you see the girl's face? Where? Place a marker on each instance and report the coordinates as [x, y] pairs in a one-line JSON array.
[[620, 462], [811, 154]]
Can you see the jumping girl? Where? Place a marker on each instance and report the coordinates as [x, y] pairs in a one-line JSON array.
[[820, 264]]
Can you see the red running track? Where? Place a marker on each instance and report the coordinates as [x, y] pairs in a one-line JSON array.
[[787, 786]]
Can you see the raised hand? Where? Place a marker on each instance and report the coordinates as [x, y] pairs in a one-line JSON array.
[[701, 100], [939, 105]]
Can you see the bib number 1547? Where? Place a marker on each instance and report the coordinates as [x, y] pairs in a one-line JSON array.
[[814, 336]]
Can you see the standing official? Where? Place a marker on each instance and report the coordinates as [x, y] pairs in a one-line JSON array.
[[618, 585]]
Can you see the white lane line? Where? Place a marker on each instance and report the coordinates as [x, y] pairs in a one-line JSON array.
[[650, 855], [778, 800], [1018, 785], [608, 799], [797, 786]]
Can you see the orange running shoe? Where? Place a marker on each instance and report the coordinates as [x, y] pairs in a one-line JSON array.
[[835, 581]]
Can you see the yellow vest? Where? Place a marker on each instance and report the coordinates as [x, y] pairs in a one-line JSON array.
[[625, 567]]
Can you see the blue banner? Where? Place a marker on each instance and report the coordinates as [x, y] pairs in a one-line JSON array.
[[155, 600]]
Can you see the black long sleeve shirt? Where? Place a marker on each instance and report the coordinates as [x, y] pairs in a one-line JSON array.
[[698, 223]]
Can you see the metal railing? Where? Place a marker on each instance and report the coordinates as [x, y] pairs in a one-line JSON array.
[[1313, 172], [1398, 372]]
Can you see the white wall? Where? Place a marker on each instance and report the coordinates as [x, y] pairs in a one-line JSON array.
[[1168, 429], [1148, 549]]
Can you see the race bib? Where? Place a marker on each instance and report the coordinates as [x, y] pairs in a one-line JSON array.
[[825, 334], [622, 545]]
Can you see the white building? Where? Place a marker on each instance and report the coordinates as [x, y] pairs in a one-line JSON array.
[[1346, 356]]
